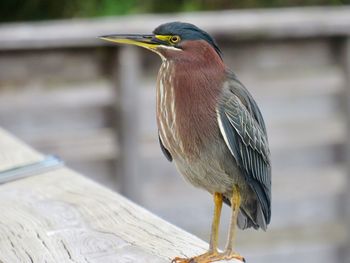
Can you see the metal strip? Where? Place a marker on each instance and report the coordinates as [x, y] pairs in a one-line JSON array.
[[49, 163]]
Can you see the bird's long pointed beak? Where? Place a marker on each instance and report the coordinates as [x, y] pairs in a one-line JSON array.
[[146, 41]]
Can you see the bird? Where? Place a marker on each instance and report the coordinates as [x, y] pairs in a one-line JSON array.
[[211, 127]]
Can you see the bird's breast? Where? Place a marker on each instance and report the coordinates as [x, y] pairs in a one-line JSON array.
[[166, 113], [186, 114]]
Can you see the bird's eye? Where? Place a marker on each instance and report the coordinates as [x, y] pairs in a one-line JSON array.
[[175, 39]]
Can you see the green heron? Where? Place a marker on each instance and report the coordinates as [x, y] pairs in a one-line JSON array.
[[211, 127]]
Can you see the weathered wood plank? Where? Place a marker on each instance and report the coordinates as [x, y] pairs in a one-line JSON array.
[[277, 55], [295, 83], [243, 24], [80, 95], [59, 216], [51, 67], [127, 124], [68, 218], [291, 134], [89, 109], [346, 200]]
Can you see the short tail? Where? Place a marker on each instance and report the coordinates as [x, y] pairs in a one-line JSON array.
[[245, 220]]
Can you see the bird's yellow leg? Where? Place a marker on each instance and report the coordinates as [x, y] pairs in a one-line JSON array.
[[214, 237], [213, 255], [235, 204]]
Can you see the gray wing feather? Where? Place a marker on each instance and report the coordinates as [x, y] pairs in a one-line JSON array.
[[244, 131]]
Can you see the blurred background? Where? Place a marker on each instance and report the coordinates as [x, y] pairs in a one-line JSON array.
[[65, 92]]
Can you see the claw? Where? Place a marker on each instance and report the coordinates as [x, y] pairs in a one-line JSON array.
[[182, 260], [232, 255]]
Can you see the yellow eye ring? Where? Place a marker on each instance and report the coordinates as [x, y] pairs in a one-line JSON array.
[[175, 39]]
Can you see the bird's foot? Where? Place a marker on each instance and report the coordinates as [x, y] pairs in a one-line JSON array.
[[209, 257]]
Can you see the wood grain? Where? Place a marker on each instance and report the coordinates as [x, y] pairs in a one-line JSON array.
[[60, 216]]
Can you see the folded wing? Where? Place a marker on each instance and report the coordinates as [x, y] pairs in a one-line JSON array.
[[244, 132]]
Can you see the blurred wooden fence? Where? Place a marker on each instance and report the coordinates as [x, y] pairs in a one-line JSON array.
[[65, 92]]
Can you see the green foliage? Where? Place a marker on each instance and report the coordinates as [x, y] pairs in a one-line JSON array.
[[17, 10], [14, 10]]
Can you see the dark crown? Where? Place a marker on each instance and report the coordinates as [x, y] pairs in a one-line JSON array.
[[187, 31]]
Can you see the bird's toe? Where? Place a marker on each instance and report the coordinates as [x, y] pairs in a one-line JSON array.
[[182, 260], [210, 258]]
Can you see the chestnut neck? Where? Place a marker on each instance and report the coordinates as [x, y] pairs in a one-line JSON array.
[[199, 73]]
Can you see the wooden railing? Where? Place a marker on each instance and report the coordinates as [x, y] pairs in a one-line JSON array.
[[251, 24], [57, 215]]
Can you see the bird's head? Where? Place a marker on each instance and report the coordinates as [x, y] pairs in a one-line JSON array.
[[173, 40]]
